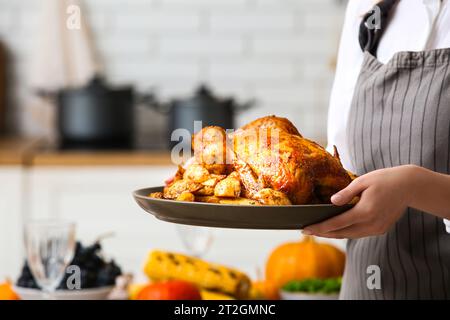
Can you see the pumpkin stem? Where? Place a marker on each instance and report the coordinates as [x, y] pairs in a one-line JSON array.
[[105, 235], [308, 238], [259, 275]]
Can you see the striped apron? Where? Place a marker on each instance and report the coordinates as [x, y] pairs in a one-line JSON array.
[[400, 114]]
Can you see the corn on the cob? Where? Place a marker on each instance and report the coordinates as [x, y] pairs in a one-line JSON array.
[[165, 265], [211, 295]]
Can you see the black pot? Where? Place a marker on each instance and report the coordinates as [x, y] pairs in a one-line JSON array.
[[96, 116], [202, 106]]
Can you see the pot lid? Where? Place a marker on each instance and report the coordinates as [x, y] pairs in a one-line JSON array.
[[204, 96]]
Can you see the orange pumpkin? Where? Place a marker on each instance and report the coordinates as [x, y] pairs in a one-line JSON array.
[[302, 260], [169, 290], [7, 293]]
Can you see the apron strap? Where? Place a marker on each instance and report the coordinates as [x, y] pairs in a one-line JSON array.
[[370, 35]]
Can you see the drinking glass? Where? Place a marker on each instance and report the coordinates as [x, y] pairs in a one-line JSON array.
[[196, 240], [50, 247]]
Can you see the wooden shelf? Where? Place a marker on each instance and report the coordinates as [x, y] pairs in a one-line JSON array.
[[100, 158], [16, 150], [35, 152]]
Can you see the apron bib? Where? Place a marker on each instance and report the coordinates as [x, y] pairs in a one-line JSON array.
[[400, 114]]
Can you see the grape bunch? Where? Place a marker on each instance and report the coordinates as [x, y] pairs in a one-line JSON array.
[[95, 271], [26, 278]]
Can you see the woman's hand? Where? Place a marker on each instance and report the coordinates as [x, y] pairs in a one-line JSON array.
[[385, 194]]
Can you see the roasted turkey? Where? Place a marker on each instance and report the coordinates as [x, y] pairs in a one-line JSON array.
[[273, 162]]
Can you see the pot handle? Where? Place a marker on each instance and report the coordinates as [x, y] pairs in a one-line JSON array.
[[244, 106], [50, 96]]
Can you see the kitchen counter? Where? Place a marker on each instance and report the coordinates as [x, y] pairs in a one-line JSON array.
[[17, 150], [35, 152], [99, 158]]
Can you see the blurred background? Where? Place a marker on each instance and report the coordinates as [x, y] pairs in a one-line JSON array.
[[280, 52], [245, 58]]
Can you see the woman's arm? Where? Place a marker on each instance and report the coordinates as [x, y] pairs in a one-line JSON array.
[[431, 192], [385, 194]]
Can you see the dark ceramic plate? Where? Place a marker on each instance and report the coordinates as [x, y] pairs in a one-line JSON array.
[[235, 216]]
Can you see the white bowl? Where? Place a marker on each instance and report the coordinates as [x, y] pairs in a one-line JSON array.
[[285, 295], [84, 294]]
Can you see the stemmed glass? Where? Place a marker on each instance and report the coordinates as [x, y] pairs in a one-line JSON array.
[[50, 247], [196, 240]]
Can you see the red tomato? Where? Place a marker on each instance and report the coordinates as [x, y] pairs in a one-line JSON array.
[[170, 290]]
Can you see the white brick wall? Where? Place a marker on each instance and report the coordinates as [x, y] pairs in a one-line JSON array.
[[253, 21], [277, 51]]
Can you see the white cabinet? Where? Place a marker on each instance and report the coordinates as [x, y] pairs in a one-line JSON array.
[[99, 200], [11, 210]]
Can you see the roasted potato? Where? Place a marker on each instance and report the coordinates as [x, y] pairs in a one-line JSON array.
[[213, 180], [219, 169], [234, 175], [238, 201], [186, 196], [272, 197], [178, 187], [156, 195], [228, 187], [205, 191], [210, 149], [208, 199], [196, 173], [179, 174]]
